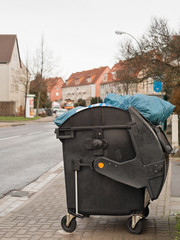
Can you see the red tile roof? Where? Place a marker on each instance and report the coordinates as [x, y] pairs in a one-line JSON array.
[[81, 77], [109, 78], [118, 67], [51, 82]]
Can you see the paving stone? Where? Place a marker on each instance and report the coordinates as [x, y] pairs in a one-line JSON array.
[[22, 232], [9, 234], [13, 238], [40, 216], [33, 229], [48, 235], [36, 237]]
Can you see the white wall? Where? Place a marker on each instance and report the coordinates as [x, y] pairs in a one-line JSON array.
[[175, 131], [92, 90], [4, 82], [145, 87], [85, 92], [16, 76]]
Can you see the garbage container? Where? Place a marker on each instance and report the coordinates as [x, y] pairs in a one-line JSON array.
[[115, 161]]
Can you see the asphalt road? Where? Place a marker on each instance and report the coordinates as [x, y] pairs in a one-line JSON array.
[[26, 152]]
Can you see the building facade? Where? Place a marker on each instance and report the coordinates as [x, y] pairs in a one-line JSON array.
[[12, 73], [54, 90], [85, 84], [113, 84]]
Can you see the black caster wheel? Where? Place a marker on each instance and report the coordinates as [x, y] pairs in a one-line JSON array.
[[86, 215], [146, 212], [138, 228], [71, 227]]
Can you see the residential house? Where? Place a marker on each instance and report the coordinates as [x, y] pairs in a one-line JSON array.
[[54, 91], [115, 84], [85, 84], [147, 87], [12, 74]]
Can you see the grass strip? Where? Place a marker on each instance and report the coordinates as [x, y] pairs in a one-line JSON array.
[[16, 119], [178, 227]]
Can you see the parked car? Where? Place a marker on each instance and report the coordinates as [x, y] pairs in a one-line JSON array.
[[41, 111], [55, 106], [68, 104], [55, 109], [60, 111], [49, 112]]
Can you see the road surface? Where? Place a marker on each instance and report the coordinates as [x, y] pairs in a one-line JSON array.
[[26, 152]]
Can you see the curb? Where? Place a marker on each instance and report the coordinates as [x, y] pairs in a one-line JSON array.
[[16, 123], [9, 203], [12, 125]]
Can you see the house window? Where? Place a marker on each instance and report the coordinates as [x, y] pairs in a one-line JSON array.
[[57, 88], [114, 74], [17, 88], [105, 78], [77, 81], [88, 79], [57, 94]]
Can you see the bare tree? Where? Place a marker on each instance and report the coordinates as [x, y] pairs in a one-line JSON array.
[[22, 82], [42, 68], [130, 65], [127, 74], [26, 82], [158, 56], [175, 99]]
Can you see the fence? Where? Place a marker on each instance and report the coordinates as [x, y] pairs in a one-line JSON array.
[[7, 109]]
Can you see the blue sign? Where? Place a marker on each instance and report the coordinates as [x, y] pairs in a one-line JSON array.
[[157, 86]]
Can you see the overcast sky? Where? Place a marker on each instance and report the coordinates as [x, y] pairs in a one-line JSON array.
[[81, 33]]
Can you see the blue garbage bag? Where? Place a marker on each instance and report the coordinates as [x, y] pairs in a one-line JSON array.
[[155, 109]]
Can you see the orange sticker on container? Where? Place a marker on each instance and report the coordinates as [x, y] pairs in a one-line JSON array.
[[100, 165]]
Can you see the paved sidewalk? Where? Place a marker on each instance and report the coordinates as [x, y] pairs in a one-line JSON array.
[[39, 215]]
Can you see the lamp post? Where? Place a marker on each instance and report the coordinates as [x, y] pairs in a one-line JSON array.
[[121, 33]]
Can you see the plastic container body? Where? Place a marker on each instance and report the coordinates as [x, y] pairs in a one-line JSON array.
[[113, 159]]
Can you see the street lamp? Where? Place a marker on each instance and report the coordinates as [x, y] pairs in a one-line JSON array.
[[121, 33]]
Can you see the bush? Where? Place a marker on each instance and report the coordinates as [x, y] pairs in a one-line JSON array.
[[80, 102], [95, 100], [175, 99], [178, 227]]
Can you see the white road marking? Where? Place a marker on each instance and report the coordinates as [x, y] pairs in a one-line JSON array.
[[32, 133], [29, 134], [8, 138]]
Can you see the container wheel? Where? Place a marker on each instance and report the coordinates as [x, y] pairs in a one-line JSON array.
[[137, 229], [146, 212], [72, 224]]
